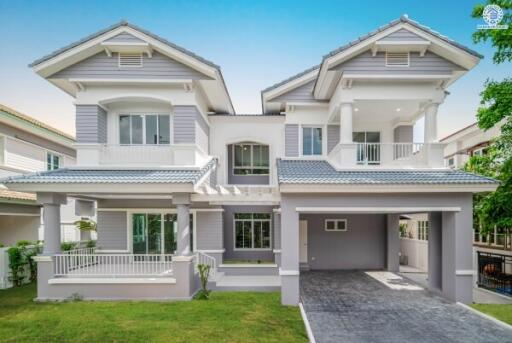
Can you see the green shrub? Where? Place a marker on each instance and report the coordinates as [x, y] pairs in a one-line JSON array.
[[204, 274], [67, 246], [90, 244], [1, 245], [24, 243]]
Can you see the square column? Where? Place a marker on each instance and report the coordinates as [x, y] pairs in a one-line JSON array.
[[430, 133], [457, 254], [289, 270], [435, 243], [182, 202], [393, 242], [51, 219], [346, 128]]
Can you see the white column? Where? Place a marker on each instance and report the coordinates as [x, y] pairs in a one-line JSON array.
[[51, 219], [182, 202], [431, 123], [346, 128]]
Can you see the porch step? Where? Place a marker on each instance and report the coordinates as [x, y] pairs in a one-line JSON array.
[[259, 283], [249, 269]]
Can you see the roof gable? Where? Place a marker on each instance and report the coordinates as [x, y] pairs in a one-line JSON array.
[[403, 35], [124, 37]]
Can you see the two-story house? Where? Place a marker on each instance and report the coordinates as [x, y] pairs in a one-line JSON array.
[[317, 181], [27, 146]]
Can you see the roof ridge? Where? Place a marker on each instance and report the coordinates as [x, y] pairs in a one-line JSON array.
[[291, 78], [33, 121]]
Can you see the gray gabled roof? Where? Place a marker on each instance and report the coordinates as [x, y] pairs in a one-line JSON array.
[[115, 26], [402, 19], [321, 172], [147, 176]]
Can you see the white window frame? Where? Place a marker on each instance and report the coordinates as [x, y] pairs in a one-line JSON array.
[[399, 65], [233, 167], [52, 154], [301, 140], [143, 115], [130, 66], [423, 227], [478, 152], [252, 220], [336, 226]]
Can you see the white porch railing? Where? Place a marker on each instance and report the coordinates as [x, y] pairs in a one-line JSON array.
[[370, 153], [202, 258], [80, 251], [108, 265]]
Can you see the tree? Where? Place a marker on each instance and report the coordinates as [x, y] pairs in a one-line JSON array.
[[495, 209]]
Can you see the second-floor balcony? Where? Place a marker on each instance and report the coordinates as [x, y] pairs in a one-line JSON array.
[[387, 155], [144, 155]]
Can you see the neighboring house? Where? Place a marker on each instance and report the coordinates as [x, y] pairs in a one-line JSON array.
[[467, 142], [317, 181], [28, 146]]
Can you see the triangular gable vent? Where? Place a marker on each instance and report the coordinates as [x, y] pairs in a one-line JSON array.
[[130, 60], [397, 59]]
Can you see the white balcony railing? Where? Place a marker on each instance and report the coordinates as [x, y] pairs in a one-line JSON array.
[[143, 155], [108, 265], [348, 155]]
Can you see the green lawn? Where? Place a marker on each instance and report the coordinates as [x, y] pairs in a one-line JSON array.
[[227, 317], [501, 312]]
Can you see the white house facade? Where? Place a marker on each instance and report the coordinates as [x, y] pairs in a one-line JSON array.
[[317, 181]]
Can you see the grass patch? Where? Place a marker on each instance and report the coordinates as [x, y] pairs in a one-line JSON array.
[[227, 317], [498, 311]]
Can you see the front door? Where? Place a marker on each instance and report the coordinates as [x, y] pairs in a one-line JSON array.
[[303, 241]]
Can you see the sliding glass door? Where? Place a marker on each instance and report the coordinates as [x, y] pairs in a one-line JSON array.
[[156, 233]]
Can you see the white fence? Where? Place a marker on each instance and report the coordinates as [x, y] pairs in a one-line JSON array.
[[202, 258], [112, 265], [416, 251]]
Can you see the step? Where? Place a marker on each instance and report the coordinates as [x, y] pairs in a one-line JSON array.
[[259, 283], [249, 269]]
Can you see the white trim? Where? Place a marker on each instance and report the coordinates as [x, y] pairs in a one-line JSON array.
[[166, 210], [108, 251], [309, 332], [371, 209], [20, 202], [284, 272], [486, 316], [115, 80], [276, 210], [324, 141], [43, 258], [391, 188], [466, 272], [395, 76], [233, 167], [276, 251], [182, 258], [111, 280]]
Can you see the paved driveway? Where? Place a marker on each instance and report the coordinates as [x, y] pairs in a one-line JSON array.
[[350, 306]]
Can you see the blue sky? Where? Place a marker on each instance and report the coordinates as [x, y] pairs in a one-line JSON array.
[[256, 43]]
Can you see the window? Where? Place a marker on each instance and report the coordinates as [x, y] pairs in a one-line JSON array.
[[335, 225], [130, 60], [397, 59], [52, 161], [144, 129], [451, 162], [250, 159], [479, 152], [252, 231], [156, 233], [311, 141], [423, 230]]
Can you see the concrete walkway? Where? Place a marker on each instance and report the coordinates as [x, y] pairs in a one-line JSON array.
[[351, 306]]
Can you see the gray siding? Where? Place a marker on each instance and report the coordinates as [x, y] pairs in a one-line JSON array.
[[112, 230], [333, 136], [229, 242], [363, 246], [6, 208], [291, 140], [123, 38], [430, 64], [39, 141], [157, 67], [403, 35], [184, 122], [202, 133], [302, 93], [243, 179], [403, 134], [209, 231], [91, 124]]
